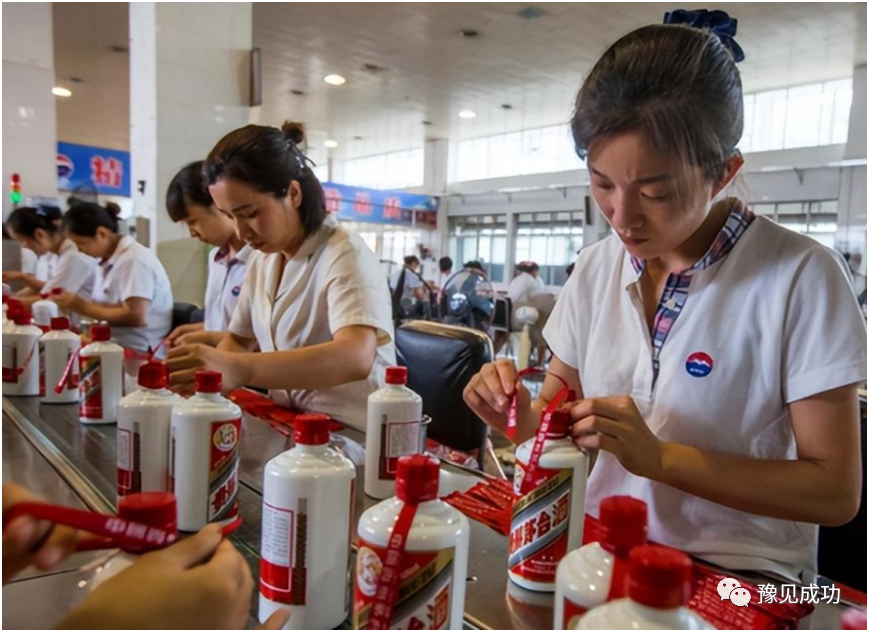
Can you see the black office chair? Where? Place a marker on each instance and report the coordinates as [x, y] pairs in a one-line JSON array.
[[441, 360], [182, 314], [842, 550]]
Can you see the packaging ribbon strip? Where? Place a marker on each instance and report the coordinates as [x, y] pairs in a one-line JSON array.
[[278, 417]]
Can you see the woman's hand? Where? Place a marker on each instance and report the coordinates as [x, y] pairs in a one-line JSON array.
[[11, 276], [68, 301], [207, 338], [27, 540], [615, 425], [200, 583], [489, 393], [184, 361], [173, 339]]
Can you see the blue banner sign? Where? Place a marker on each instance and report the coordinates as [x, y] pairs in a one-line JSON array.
[[379, 207], [106, 170]]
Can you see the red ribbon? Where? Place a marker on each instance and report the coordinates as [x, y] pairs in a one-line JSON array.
[[387, 589], [61, 385]]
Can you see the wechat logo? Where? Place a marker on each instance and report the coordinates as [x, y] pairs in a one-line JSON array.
[[729, 588]]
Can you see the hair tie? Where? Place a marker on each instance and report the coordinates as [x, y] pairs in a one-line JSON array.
[[717, 22], [301, 158]]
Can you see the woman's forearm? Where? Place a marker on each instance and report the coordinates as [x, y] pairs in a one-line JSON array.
[[32, 282], [318, 367], [799, 490], [118, 315]]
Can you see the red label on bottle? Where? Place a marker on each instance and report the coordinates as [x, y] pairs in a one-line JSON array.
[[283, 574], [223, 470], [540, 525], [129, 461], [10, 363], [91, 387], [397, 439], [424, 587], [41, 370]]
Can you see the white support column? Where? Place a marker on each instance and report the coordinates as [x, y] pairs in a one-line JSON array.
[[29, 111], [189, 73]]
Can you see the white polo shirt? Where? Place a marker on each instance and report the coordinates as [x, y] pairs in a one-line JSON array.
[[45, 266], [522, 287], [133, 271], [333, 281], [28, 261], [225, 279], [773, 322], [75, 271]]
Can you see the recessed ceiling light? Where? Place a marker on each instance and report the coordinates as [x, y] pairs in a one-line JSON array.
[[298, 93], [427, 123], [373, 67], [531, 13], [335, 80], [469, 32], [506, 106], [61, 92], [467, 114], [331, 144], [357, 138]]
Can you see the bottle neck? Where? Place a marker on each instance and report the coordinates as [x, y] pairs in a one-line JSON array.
[[305, 448], [211, 397], [660, 615]]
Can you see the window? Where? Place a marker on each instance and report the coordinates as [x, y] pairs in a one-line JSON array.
[[803, 116], [480, 238], [396, 170], [817, 220], [540, 150], [551, 240], [398, 243]]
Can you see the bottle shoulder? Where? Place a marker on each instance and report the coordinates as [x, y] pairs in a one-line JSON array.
[[436, 524], [198, 405], [295, 462]]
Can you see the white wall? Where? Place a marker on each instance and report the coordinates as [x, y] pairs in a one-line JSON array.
[[29, 115]]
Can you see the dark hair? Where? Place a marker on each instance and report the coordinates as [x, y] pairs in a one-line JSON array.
[[28, 219], [411, 260], [84, 218], [677, 85], [569, 269], [268, 159], [445, 264], [475, 265], [187, 187]]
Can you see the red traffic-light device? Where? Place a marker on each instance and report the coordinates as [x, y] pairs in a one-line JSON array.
[[15, 191]]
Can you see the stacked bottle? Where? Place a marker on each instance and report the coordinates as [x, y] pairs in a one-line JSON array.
[[101, 378], [21, 356]]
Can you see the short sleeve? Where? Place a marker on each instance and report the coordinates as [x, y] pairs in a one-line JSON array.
[[241, 324], [824, 344], [73, 272], [560, 331], [135, 280], [357, 294]]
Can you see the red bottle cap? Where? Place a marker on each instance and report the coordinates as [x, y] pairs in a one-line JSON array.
[[417, 478], [623, 521], [396, 375], [44, 295], [559, 424], [60, 324], [659, 577], [100, 333], [56, 291], [155, 509], [154, 375], [312, 429], [208, 381], [22, 317]]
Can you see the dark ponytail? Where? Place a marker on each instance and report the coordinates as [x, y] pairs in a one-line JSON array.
[[84, 218], [27, 220], [268, 159]]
